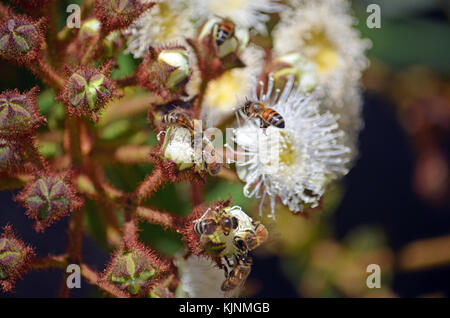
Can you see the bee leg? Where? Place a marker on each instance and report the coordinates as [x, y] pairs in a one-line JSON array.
[[228, 261], [222, 266]]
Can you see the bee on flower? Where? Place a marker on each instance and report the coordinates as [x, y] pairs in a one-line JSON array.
[[295, 163]]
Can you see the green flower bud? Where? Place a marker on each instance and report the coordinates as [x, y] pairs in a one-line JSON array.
[[48, 199], [178, 61], [15, 257], [18, 113], [20, 39]]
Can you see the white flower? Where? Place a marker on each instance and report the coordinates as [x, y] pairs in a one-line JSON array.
[[294, 163], [322, 30], [223, 93], [177, 147], [199, 278], [166, 22], [245, 13]]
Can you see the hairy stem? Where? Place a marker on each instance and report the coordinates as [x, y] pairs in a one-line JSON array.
[[46, 74], [93, 278], [50, 261], [167, 220], [152, 183]]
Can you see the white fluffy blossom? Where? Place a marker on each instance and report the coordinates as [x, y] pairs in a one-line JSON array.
[[322, 30], [199, 277], [245, 13], [294, 163], [166, 22]]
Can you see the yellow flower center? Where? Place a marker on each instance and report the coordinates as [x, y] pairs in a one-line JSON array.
[[219, 93], [324, 54], [288, 154], [218, 7], [168, 27]]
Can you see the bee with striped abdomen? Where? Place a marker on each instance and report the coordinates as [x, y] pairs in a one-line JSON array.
[[250, 238], [214, 219], [238, 274], [224, 31], [268, 116], [179, 118]]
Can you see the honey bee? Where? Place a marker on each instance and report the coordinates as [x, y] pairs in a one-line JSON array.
[[177, 117], [208, 223], [250, 238], [268, 116], [224, 31], [211, 157], [238, 274]]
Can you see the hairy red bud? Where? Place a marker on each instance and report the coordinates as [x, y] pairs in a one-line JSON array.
[[119, 14], [88, 90], [165, 71], [19, 114], [20, 39], [48, 199], [15, 258], [134, 269]]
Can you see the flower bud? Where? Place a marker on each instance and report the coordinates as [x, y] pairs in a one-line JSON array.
[[9, 156], [19, 113], [89, 29], [294, 64], [134, 269], [162, 289], [119, 14], [165, 71], [88, 90], [15, 258], [48, 199], [20, 39]]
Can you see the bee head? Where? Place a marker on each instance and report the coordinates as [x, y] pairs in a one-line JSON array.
[[247, 107]]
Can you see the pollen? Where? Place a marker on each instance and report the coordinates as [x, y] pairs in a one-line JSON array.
[[323, 53], [218, 92], [288, 154]]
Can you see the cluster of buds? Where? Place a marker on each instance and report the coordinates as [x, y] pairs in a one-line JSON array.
[[87, 90], [119, 14], [19, 113], [216, 53], [20, 39], [165, 71], [48, 198], [15, 258]]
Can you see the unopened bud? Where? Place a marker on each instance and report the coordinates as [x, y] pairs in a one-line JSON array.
[[15, 257], [20, 39], [19, 113], [48, 199]]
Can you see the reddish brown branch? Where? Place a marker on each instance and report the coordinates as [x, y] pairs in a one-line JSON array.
[[164, 219], [74, 245], [50, 261], [93, 278], [46, 74], [152, 183]]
